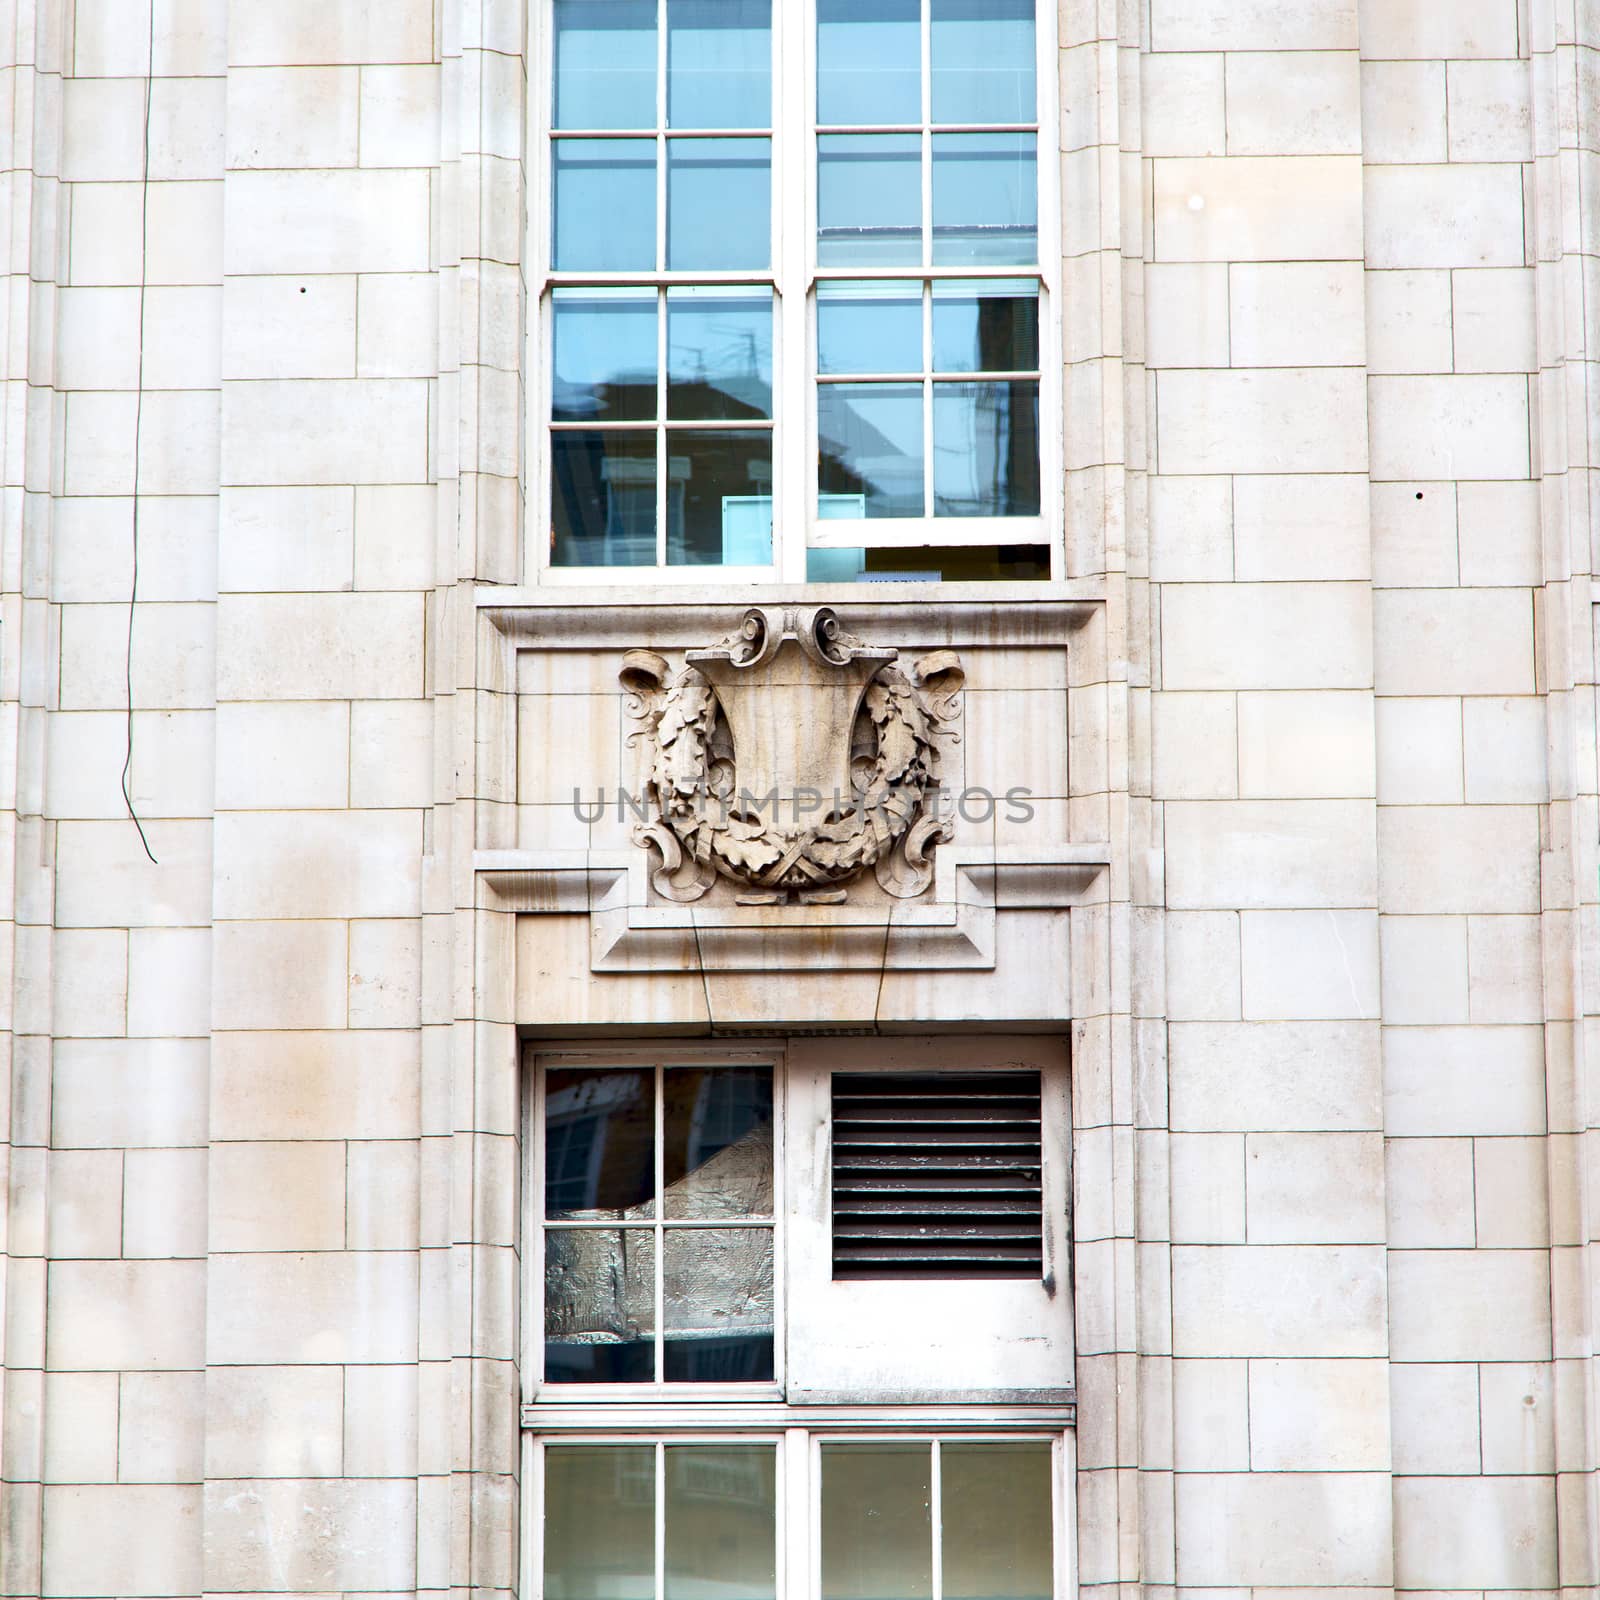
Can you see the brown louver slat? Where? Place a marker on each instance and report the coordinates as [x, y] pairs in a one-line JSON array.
[[936, 1175]]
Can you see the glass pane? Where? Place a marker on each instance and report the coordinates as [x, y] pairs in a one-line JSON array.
[[719, 204], [869, 62], [599, 1142], [985, 198], [869, 327], [985, 327], [722, 1522], [990, 563], [983, 60], [605, 355], [877, 1526], [719, 63], [869, 200], [869, 442], [719, 497], [719, 354], [603, 497], [718, 1306], [986, 449], [995, 1500], [718, 1141], [605, 205], [599, 1305], [605, 64], [599, 1522]]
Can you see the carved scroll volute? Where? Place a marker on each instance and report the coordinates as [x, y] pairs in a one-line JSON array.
[[941, 677], [644, 678]]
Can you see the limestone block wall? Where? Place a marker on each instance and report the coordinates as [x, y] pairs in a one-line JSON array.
[[1328, 331], [1369, 532]]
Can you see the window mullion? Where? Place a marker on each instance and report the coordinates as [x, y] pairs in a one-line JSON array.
[[927, 399], [797, 1521], [926, 44], [661, 1520], [936, 1519], [661, 135], [661, 1209], [794, 156], [663, 461]]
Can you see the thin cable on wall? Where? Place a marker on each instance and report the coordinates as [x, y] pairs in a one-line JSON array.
[[138, 433]]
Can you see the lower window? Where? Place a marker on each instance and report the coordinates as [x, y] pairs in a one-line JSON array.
[[879, 1517]]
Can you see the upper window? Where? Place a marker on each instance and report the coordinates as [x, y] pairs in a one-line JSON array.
[[794, 329]]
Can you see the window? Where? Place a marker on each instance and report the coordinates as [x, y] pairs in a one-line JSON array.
[[658, 1227], [649, 1519], [946, 1517], [796, 327], [689, 1435], [940, 1519]]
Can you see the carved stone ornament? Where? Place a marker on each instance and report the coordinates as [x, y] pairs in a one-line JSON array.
[[789, 759]]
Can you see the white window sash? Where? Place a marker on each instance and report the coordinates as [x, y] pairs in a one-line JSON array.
[[798, 1521], [607, 1396], [793, 278]]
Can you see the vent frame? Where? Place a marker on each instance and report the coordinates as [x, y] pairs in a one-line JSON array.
[[937, 1174]]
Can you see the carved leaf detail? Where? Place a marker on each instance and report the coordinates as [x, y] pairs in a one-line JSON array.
[[892, 768]]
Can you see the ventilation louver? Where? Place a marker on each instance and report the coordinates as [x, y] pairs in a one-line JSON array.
[[936, 1175]]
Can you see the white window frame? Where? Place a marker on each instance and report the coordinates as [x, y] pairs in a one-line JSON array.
[[798, 1443], [599, 1395], [793, 276]]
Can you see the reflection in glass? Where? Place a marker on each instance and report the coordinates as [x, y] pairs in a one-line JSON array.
[[719, 354], [605, 355], [719, 204], [990, 563], [869, 442], [869, 327], [988, 326], [985, 198], [986, 449], [877, 1531], [603, 497], [719, 497], [869, 62], [717, 1317], [605, 64], [599, 1142], [599, 1305], [722, 1522], [719, 63], [717, 1123], [599, 1522], [869, 199], [995, 1510], [605, 213], [983, 60]]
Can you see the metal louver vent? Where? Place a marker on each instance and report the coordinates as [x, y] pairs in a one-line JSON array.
[[936, 1175]]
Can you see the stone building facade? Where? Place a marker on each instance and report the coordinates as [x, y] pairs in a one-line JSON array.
[[1294, 943]]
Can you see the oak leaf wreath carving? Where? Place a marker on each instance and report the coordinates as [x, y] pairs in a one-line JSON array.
[[829, 688]]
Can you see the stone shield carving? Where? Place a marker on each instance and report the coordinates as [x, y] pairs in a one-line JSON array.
[[789, 758]]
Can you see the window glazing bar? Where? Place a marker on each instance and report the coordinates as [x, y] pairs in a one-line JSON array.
[[712, 133], [933, 127], [911, 275]]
